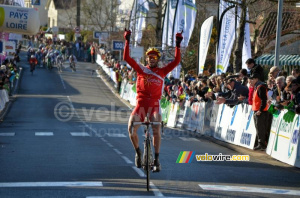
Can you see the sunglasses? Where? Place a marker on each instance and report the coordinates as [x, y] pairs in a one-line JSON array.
[[153, 57]]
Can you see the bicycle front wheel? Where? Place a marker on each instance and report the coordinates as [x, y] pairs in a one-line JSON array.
[[148, 161]]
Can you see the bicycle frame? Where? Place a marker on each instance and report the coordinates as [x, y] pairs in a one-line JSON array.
[[148, 163]]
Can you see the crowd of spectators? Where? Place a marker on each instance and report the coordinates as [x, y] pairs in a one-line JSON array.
[[8, 72], [249, 86]]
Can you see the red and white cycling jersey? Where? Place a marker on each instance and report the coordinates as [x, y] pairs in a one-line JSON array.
[[150, 81]]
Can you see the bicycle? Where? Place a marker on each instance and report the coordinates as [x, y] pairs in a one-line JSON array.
[[148, 161], [59, 65], [73, 66], [32, 68]]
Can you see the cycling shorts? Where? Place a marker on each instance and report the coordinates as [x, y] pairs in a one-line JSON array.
[[146, 106]]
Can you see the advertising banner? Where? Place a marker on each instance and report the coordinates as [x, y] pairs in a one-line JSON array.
[[285, 145], [20, 20], [185, 17], [168, 24], [205, 35], [226, 38], [247, 44], [172, 115], [141, 13]]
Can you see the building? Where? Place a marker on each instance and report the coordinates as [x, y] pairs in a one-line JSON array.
[[40, 5]]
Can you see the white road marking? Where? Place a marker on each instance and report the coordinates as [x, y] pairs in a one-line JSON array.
[[62, 81], [110, 145], [7, 134], [128, 197], [139, 171], [250, 189], [115, 135], [127, 160], [51, 184], [189, 139], [104, 140], [118, 152], [155, 190], [43, 133], [80, 134]]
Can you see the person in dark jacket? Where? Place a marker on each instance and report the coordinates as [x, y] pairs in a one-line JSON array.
[[237, 90], [255, 69], [260, 109]]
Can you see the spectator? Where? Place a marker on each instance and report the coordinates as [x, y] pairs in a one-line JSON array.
[[260, 108], [237, 90], [295, 72], [255, 69]]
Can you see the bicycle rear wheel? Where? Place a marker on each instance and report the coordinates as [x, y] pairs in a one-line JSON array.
[[148, 161]]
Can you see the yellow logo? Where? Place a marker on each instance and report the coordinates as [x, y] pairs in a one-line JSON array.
[[2, 16]]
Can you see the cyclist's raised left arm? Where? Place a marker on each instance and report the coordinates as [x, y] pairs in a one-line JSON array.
[[174, 63]]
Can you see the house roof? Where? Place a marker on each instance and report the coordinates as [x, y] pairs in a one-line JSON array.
[[290, 22], [62, 4]]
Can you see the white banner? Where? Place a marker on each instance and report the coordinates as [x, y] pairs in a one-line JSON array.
[[175, 72], [172, 115], [205, 35], [247, 44], [19, 20], [17, 3], [133, 17], [283, 143], [185, 20], [141, 13], [226, 38], [235, 125], [168, 24]]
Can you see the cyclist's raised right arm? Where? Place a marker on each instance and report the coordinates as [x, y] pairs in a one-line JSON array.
[[126, 55]]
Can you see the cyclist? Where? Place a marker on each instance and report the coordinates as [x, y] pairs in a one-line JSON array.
[[59, 61], [149, 85], [33, 62], [73, 61]]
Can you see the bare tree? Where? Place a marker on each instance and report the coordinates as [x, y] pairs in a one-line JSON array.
[[100, 14]]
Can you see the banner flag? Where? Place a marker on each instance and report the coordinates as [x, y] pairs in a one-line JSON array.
[[142, 9], [247, 44], [17, 3], [184, 20], [132, 17], [205, 35], [227, 36], [168, 23]]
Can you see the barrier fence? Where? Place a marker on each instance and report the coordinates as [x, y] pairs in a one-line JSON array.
[[3, 99], [233, 125]]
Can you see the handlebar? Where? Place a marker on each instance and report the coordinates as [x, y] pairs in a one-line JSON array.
[[146, 123]]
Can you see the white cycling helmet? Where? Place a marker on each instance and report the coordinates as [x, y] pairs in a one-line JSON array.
[[32, 56]]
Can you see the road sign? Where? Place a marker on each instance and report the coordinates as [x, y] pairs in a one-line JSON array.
[[118, 45], [137, 52], [77, 30]]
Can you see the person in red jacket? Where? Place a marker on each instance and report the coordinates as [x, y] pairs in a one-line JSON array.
[[149, 86]]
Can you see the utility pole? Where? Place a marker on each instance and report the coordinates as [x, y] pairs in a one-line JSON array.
[[78, 14], [278, 33]]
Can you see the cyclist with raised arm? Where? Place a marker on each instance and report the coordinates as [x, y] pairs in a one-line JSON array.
[[149, 86]]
